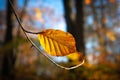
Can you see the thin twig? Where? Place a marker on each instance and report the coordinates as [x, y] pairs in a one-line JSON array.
[[21, 15], [41, 51], [18, 19]]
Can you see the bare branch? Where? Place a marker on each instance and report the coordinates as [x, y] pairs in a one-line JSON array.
[[22, 14], [18, 19]]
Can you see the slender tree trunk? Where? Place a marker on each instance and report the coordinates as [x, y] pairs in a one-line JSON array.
[[96, 21], [8, 56], [79, 27], [103, 27], [75, 27], [8, 36], [68, 12]]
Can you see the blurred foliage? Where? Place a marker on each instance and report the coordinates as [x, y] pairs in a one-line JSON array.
[[47, 71], [35, 66], [12, 44]]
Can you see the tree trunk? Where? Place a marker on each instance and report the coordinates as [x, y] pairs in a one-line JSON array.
[[103, 28], [75, 27], [68, 12], [8, 56], [79, 27]]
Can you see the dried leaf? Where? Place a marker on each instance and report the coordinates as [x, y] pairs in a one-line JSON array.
[[57, 42]]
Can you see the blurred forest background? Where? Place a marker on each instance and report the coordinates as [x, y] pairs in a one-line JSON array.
[[95, 24]]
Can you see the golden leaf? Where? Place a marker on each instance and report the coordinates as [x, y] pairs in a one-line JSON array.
[[57, 42]]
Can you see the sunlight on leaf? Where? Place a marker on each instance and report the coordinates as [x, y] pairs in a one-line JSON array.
[[57, 42], [74, 56]]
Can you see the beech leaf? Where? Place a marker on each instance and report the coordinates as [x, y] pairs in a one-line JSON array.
[[57, 42]]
